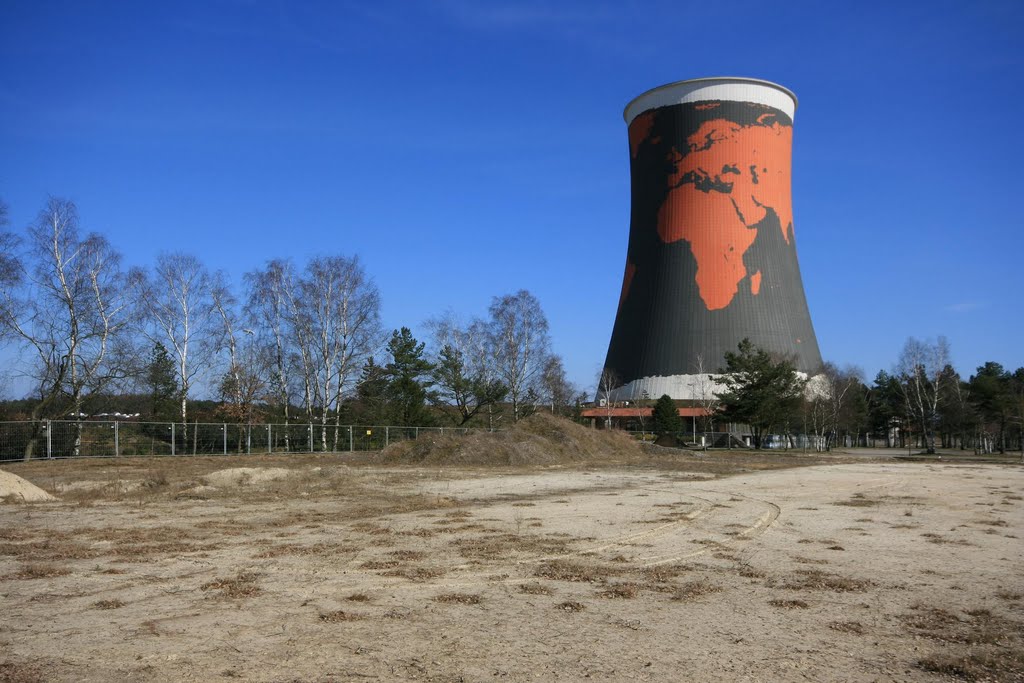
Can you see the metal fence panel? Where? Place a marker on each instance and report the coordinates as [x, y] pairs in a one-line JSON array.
[[94, 438]]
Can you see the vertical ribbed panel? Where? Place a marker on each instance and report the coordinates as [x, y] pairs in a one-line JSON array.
[[712, 254]]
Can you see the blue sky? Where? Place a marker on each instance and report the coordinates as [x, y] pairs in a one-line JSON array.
[[469, 149]]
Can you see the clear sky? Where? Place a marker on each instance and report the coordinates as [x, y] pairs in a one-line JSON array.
[[465, 149]]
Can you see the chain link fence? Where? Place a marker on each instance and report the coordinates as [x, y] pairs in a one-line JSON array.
[[88, 438]]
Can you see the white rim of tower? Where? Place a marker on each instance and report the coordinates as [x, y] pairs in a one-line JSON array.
[[729, 88]]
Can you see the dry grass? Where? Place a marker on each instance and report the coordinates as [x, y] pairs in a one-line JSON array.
[[338, 616], [788, 604], [998, 665], [242, 585], [359, 597], [36, 570], [499, 546], [459, 598], [624, 591], [662, 573], [416, 573], [858, 500], [816, 579], [569, 570], [23, 672], [535, 588], [570, 606], [854, 627], [108, 604], [694, 589]]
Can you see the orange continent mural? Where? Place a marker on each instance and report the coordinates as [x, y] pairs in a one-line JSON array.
[[726, 180]]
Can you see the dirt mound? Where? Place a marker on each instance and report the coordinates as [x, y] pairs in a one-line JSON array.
[[246, 476], [540, 439], [14, 489]]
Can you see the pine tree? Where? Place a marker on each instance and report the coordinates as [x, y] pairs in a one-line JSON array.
[[408, 382], [761, 392], [162, 382], [666, 416]]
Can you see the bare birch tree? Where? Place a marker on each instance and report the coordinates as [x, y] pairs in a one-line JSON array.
[[70, 313], [519, 329], [340, 310], [921, 367], [270, 304], [177, 310]]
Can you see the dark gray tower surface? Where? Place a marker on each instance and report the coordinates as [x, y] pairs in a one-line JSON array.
[[712, 253]]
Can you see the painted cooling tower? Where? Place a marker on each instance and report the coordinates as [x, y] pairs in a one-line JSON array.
[[711, 257]]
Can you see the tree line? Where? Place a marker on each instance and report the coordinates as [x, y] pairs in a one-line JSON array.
[[922, 403], [294, 344]]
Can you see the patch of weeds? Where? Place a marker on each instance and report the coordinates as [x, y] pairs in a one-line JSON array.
[[421, 533], [108, 604], [459, 598], [858, 500], [359, 597], [816, 579], [992, 522], [242, 585], [847, 627], [416, 573], [788, 604], [567, 570], [22, 672], [570, 606], [748, 572], [1000, 665], [1009, 595], [37, 570], [663, 572], [622, 591], [535, 588], [939, 539], [338, 616], [694, 589], [808, 560], [835, 547], [380, 564], [411, 555]]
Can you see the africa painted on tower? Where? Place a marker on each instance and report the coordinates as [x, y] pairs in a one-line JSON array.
[[712, 255]]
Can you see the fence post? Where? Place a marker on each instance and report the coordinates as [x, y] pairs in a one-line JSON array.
[[248, 439], [117, 439], [172, 438], [49, 440], [224, 429], [350, 441], [387, 436], [270, 439], [310, 437]]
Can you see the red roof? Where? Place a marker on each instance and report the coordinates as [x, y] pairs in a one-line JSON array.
[[638, 411]]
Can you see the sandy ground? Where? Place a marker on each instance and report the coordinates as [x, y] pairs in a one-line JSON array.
[[871, 571]]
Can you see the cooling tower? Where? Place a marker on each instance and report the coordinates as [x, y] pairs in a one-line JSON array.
[[712, 254]]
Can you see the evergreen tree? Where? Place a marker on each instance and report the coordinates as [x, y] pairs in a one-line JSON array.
[[408, 381], [666, 416], [764, 393], [371, 398], [992, 396], [885, 406], [469, 394], [162, 382]]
